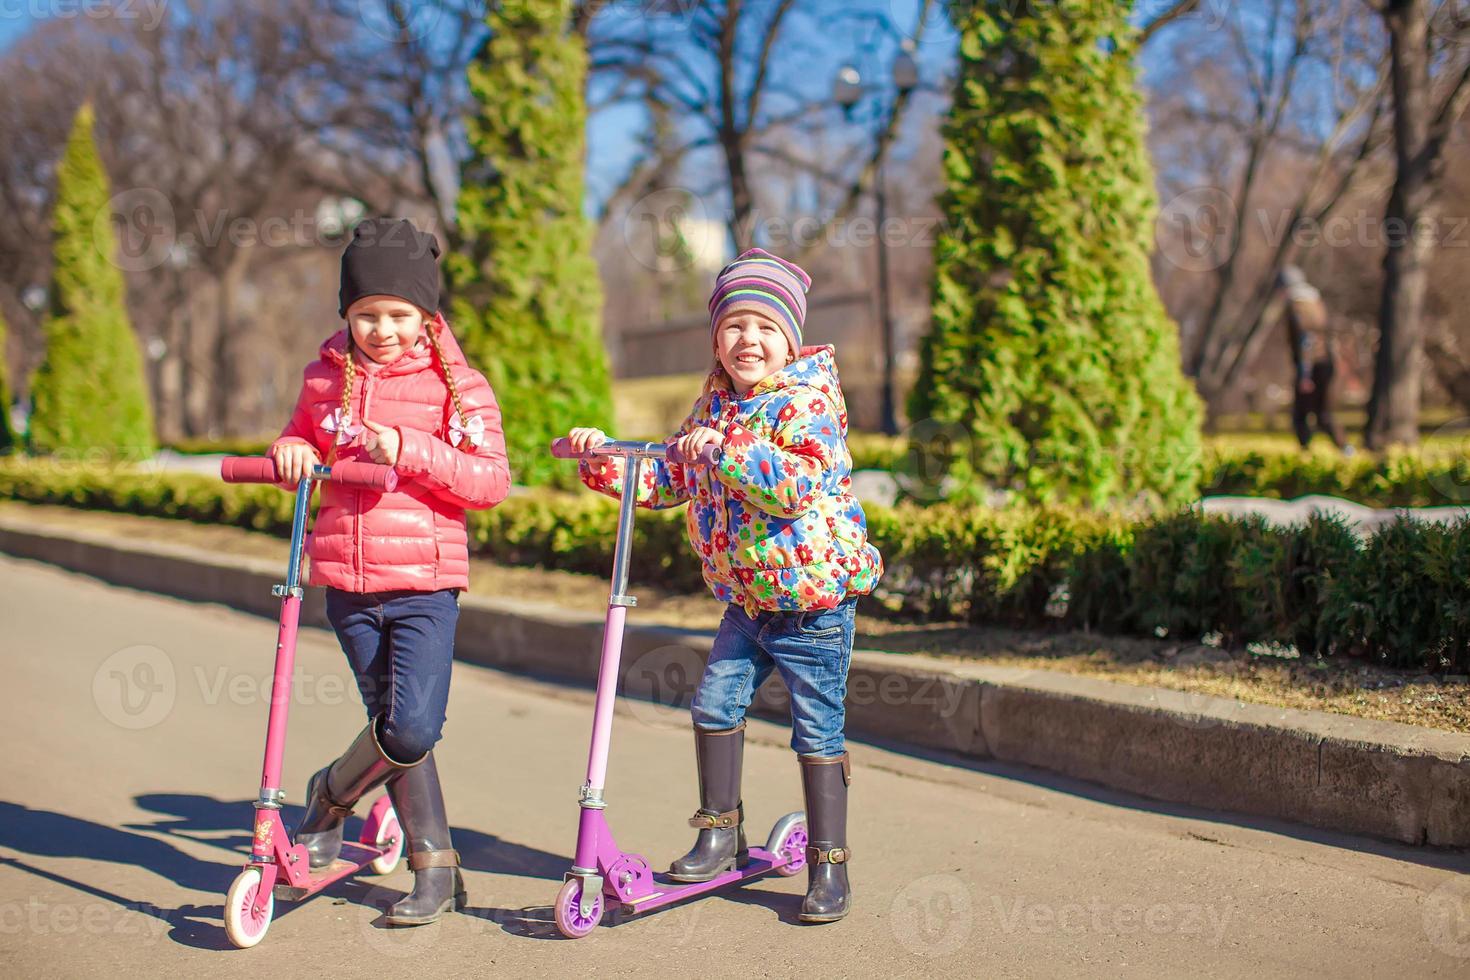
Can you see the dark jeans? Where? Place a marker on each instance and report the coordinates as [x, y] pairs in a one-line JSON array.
[[400, 646], [1317, 404]]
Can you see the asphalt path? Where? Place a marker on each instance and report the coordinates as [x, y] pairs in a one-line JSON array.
[[135, 725]]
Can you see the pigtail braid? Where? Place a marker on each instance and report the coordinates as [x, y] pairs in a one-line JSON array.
[[430, 332], [349, 378]]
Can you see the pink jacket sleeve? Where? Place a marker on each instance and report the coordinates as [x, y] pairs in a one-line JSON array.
[[302, 431], [472, 477]]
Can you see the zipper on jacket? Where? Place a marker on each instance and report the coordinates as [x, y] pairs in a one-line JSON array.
[[357, 504]]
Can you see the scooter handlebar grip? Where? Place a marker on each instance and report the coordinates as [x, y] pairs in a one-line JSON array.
[[248, 469], [368, 476], [705, 457], [562, 449]]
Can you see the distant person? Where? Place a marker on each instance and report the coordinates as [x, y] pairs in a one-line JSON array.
[[1311, 354]]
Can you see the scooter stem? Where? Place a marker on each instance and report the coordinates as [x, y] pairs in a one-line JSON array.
[[290, 593], [612, 634]]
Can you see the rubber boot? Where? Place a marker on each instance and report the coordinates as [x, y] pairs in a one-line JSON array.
[[824, 781], [334, 791], [720, 846], [438, 885]]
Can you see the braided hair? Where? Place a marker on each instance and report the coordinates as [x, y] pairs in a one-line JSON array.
[[429, 330], [349, 378]]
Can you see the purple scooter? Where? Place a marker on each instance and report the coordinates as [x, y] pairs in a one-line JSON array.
[[603, 873]]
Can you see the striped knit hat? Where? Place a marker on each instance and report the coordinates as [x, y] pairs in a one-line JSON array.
[[759, 279]]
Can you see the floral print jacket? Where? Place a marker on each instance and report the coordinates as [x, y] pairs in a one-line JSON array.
[[774, 521]]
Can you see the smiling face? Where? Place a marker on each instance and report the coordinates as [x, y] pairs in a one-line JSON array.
[[383, 327], [750, 347]]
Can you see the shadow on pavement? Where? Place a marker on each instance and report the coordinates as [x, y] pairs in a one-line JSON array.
[[671, 925], [189, 814], [202, 820]]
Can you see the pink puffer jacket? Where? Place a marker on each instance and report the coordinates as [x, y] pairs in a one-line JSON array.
[[414, 538]]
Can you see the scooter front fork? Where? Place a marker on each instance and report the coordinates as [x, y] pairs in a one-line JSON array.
[[593, 840], [273, 853]]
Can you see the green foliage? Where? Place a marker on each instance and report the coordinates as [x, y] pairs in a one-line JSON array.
[[1401, 478], [241, 446], [1432, 476], [1402, 597], [527, 301], [1049, 349], [1405, 602], [89, 393]]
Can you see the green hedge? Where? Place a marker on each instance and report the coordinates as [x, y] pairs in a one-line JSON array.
[[1402, 598], [1429, 477], [211, 447]]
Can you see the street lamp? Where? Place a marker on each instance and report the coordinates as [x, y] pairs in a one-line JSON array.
[[847, 91], [34, 298]]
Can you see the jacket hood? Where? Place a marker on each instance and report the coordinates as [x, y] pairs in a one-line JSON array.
[[333, 351], [815, 368]]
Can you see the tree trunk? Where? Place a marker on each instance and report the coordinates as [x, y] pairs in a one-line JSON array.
[[732, 140], [188, 419], [1393, 410], [225, 393]]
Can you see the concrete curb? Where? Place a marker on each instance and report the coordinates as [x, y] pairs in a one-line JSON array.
[[1383, 779]]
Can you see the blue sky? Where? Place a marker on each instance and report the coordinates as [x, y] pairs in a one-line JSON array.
[[13, 26]]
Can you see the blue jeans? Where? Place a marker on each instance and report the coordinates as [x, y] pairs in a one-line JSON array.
[[401, 647], [812, 650]]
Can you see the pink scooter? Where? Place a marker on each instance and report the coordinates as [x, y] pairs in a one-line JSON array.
[[602, 873], [277, 868]]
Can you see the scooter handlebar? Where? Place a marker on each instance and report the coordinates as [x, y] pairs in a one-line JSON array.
[[562, 449], [248, 469], [368, 476], [262, 469]]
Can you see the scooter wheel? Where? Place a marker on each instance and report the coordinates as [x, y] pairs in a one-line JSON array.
[[390, 838], [793, 845], [248, 912], [569, 918]]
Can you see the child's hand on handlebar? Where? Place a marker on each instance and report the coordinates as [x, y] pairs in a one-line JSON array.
[[294, 461], [692, 443], [584, 439]]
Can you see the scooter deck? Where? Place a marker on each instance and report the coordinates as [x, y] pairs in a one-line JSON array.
[[354, 858], [668, 891]]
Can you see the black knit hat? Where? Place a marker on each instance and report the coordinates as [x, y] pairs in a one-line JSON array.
[[390, 257]]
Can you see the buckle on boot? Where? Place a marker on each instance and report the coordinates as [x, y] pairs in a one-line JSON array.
[[705, 820], [442, 858], [834, 855]]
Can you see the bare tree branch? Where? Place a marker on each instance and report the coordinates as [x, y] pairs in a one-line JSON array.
[[1183, 8]]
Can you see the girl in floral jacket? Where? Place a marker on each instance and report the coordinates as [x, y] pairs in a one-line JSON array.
[[784, 543]]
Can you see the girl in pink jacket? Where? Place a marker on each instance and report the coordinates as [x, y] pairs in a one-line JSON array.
[[394, 388]]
